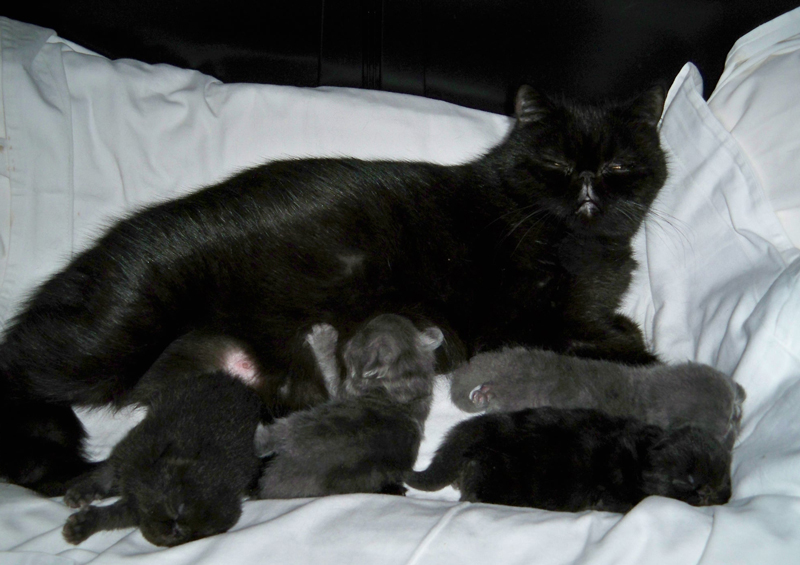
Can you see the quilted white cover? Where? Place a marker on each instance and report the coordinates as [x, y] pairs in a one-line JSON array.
[[83, 140]]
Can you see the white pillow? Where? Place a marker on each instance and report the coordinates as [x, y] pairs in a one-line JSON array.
[[756, 99]]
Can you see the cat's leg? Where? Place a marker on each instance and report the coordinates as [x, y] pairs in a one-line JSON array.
[[614, 338], [592, 327], [323, 340], [92, 519], [95, 485]]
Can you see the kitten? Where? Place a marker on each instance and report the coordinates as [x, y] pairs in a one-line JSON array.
[[181, 473], [577, 459], [528, 244], [663, 395], [368, 436]]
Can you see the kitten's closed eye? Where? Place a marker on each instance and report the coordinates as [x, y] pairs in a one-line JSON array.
[[687, 483]]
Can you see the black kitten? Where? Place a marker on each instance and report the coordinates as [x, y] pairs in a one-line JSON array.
[[528, 245], [181, 473], [367, 438], [664, 395], [575, 460]]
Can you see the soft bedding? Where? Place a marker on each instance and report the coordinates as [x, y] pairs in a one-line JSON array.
[[83, 140]]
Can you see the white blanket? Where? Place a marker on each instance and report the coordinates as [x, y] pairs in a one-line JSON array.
[[83, 140]]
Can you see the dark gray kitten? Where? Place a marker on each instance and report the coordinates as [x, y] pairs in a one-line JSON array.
[[367, 437], [181, 473], [578, 459], [664, 395]]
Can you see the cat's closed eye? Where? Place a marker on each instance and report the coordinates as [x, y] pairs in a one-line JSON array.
[[558, 165], [615, 167], [688, 484]]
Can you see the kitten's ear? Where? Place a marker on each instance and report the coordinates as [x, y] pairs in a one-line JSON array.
[[530, 105], [430, 338], [648, 106]]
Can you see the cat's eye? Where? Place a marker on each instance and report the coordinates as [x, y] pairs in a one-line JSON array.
[[561, 166], [615, 167]]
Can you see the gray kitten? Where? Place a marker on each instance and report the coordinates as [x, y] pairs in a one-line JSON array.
[[367, 437], [664, 395]]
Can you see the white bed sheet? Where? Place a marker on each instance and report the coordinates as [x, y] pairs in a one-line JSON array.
[[85, 139]]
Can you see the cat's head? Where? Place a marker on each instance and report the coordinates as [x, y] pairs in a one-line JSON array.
[[687, 464], [594, 167], [390, 353], [176, 504]]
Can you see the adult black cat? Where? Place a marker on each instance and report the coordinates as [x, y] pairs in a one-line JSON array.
[[529, 244]]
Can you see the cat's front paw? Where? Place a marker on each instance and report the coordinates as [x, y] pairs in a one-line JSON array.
[[80, 525], [482, 395]]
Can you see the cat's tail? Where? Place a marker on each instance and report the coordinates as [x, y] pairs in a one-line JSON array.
[[451, 456], [41, 443]]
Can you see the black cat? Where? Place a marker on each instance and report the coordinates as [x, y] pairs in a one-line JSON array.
[[181, 472], [577, 459], [529, 245]]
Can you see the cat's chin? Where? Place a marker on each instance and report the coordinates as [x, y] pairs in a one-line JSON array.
[[588, 210]]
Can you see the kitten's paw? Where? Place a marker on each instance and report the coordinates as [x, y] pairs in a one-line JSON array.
[[481, 395], [81, 495], [322, 336], [80, 525]]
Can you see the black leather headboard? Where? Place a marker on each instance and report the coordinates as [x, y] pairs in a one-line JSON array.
[[471, 52]]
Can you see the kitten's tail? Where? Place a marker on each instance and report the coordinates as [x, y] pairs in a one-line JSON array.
[[451, 456]]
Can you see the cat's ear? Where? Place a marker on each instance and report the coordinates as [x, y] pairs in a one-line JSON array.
[[648, 106], [430, 338], [530, 105]]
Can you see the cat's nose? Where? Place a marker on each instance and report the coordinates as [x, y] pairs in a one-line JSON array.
[[587, 199]]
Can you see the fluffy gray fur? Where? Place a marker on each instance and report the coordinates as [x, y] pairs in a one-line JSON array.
[[665, 395], [367, 437]]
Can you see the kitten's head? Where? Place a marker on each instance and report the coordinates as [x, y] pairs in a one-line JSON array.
[[595, 168], [390, 353], [177, 504], [687, 464]]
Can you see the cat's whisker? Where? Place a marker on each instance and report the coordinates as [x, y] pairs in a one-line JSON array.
[[525, 235], [509, 213], [540, 212], [661, 222], [679, 226]]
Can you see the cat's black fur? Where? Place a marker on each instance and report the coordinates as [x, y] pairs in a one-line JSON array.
[[576, 459], [529, 244], [514, 378], [367, 437], [182, 471]]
